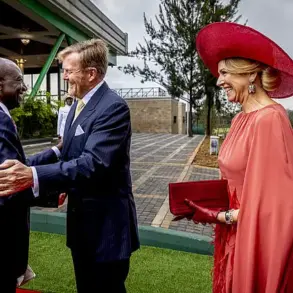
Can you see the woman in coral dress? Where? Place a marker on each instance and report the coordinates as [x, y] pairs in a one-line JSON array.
[[254, 240]]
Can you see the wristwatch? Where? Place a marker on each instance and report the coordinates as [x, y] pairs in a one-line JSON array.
[[229, 217]]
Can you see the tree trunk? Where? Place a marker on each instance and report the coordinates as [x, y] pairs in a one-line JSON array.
[[190, 134]]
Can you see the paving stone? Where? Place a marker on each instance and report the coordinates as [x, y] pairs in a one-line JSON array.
[[136, 174], [170, 171], [208, 171], [154, 186], [141, 166], [174, 161], [199, 177]]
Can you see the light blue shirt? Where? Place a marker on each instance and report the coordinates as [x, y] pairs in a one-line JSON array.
[[85, 99]]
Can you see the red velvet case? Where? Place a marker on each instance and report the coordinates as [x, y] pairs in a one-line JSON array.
[[207, 194]]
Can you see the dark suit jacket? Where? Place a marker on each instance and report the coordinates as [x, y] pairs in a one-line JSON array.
[[95, 171], [14, 210]]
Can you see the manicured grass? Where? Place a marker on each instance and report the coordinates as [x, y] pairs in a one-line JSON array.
[[153, 270]]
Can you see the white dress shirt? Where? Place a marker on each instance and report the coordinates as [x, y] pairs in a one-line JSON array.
[[85, 99], [62, 116]]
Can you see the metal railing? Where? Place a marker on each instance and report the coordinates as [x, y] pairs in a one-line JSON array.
[[153, 92]]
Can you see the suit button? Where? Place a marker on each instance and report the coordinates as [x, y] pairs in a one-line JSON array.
[[73, 210]]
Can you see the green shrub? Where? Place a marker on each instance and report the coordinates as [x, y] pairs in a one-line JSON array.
[[35, 117]]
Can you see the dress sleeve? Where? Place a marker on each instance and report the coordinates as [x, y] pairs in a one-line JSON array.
[[264, 243]]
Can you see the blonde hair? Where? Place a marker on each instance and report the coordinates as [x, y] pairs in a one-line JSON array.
[[269, 77], [93, 53]]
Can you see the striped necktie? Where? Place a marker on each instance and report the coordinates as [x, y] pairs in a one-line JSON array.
[[79, 107]]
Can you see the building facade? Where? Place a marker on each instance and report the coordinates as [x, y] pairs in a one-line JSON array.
[[152, 110]]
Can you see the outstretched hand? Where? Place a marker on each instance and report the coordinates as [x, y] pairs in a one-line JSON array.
[[60, 143], [14, 177]]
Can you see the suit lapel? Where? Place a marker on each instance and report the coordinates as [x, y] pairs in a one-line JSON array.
[[84, 114], [18, 147]]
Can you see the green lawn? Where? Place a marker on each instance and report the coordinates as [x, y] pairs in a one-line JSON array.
[[153, 270]]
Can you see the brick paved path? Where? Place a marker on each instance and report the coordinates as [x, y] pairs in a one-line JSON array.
[[156, 160]]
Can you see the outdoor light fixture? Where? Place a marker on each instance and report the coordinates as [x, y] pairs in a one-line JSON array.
[[25, 41], [20, 63]]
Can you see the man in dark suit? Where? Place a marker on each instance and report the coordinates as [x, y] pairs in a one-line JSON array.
[[14, 210], [93, 170]]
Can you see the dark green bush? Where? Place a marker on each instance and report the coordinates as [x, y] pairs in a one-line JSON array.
[[35, 118]]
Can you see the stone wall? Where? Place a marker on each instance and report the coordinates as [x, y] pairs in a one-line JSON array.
[[156, 115]]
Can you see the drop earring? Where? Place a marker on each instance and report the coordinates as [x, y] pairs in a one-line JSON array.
[[251, 88]]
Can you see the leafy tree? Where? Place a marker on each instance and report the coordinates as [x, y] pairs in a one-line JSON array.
[[171, 47]]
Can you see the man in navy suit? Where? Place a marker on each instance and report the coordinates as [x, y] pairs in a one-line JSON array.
[[14, 210], [94, 170]]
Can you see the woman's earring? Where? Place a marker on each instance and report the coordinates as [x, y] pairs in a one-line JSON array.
[[251, 88]]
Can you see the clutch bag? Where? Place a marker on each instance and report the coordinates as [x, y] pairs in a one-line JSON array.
[[207, 194]]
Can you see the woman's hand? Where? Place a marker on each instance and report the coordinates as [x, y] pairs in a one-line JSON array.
[[221, 216], [201, 214]]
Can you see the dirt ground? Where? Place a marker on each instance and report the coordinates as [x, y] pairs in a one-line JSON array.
[[203, 157]]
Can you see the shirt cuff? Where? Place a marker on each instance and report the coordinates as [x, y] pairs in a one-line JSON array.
[[56, 151], [35, 188]]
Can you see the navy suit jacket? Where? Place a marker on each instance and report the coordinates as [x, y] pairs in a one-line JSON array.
[[14, 210], [95, 172]]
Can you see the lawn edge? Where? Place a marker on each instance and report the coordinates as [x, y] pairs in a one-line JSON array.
[[55, 223]]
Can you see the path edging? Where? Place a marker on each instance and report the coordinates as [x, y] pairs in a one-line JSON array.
[[53, 222]]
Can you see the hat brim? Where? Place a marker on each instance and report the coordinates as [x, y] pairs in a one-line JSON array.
[[222, 40], [65, 97]]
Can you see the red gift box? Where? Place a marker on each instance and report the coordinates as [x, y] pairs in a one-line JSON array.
[[208, 194]]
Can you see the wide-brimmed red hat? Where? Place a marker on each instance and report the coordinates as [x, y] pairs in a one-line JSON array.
[[222, 40]]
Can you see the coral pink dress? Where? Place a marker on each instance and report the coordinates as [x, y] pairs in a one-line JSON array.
[[256, 255]]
